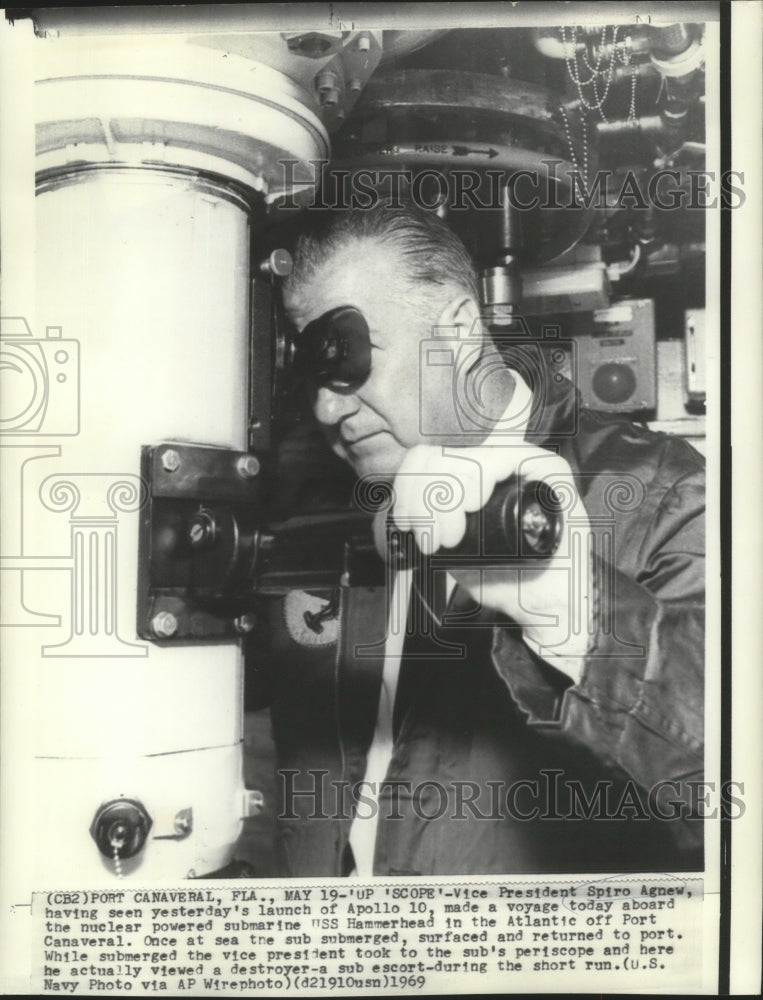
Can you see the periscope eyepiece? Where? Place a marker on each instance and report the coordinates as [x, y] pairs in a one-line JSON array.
[[334, 350]]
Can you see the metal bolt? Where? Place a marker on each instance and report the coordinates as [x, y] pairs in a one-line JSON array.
[[170, 460], [329, 98], [364, 43], [164, 625], [248, 466], [245, 623], [327, 84], [356, 85]]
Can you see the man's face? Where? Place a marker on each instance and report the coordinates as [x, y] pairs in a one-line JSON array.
[[372, 426]]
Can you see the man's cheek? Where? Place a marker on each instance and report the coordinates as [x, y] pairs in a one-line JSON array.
[[407, 421]]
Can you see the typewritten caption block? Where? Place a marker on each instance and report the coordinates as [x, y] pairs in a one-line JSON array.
[[621, 932]]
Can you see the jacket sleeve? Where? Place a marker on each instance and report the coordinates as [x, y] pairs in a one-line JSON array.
[[639, 704]]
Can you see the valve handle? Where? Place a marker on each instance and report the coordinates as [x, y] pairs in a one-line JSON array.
[[521, 520]]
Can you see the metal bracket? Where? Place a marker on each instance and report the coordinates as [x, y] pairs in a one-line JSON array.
[[207, 555], [193, 557]]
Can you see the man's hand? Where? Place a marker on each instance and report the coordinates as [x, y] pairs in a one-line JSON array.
[[435, 489]]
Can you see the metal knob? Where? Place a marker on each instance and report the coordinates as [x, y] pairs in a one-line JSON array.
[[120, 826], [521, 520], [279, 264]]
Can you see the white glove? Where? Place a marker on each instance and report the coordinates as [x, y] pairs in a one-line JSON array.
[[435, 488]]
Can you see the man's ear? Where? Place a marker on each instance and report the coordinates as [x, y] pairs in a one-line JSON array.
[[462, 312]]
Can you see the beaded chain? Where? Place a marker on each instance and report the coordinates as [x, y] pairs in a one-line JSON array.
[[621, 51], [117, 862], [573, 155]]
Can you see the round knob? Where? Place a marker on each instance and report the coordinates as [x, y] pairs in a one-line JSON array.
[[614, 383], [279, 264], [121, 825], [248, 466], [521, 520]]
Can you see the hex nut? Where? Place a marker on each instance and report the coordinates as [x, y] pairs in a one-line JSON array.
[[170, 460], [327, 80], [327, 85], [164, 625], [329, 98]]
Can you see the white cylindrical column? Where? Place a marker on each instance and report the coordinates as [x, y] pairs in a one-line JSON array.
[[150, 270], [149, 165]]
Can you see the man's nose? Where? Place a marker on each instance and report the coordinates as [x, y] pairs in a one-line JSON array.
[[330, 407]]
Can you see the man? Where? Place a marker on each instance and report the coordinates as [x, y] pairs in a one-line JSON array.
[[550, 718]]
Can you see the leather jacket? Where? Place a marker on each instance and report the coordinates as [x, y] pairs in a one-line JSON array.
[[559, 776]]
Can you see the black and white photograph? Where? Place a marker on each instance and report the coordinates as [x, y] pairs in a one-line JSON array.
[[370, 375]]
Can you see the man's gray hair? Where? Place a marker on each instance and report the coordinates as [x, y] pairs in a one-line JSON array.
[[431, 255]]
